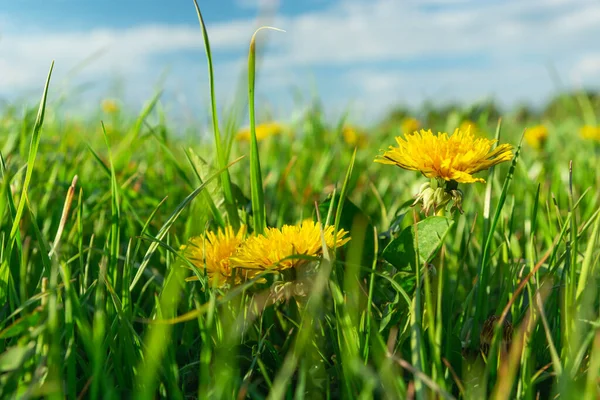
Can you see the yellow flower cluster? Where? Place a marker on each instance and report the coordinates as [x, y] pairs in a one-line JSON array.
[[590, 132], [263, 131], [536, 136], [224, 252]]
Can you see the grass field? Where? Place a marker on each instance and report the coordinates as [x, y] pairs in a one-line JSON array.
[[110, 286]]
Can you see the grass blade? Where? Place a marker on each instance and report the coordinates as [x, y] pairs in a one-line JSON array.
[[256, 185], [33, 149], [165, 228], [234, 218]]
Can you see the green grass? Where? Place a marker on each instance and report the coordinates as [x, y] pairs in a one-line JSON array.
[[94, 301]]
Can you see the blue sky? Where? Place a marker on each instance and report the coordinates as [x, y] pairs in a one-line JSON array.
[[366, 55]]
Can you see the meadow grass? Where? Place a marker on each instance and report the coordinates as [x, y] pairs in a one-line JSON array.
[[98, 301]]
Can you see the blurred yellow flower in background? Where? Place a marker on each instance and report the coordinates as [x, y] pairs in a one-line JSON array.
[[214, 251], [410, 125], [451, 158], [468, 125], [536, 136], [590, 132], [354, 137], [109, 106], [263, 131], [272, 249]]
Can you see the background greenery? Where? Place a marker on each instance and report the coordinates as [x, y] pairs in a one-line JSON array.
[[93, 298]]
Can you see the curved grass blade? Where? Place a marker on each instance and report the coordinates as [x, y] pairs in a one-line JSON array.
[[256, 185], [33, 148], [234, 218]]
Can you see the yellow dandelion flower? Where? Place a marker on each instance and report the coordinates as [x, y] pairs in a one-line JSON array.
[[270, 250], [263, 131], [536, 136], [109, 106], [590, 132], [468, 124], [214, 251], [410, 125], [451, 158], [353, 137]]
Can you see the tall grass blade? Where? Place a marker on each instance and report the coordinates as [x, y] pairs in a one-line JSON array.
[[230, 205], [256, 184]]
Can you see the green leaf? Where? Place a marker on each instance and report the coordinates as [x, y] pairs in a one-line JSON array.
[[14, 357], [21, 325], [428, 239]]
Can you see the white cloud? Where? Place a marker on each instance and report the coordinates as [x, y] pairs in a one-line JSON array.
[[379, 51], [501, 49], [259, 4], [382, 30], [587, 67], [24, 58], [507, 84]]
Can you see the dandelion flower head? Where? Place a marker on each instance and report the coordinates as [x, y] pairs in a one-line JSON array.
[[590, 132], [536, 136], [109, 106], [453, 157], [263, 131], [272, 249], [214, 251], [410, 125], [467, 124], [353, 136]]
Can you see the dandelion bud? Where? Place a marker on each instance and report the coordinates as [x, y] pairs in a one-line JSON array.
[[436, 195]]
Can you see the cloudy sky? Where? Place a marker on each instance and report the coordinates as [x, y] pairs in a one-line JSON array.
[[364, 54]]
